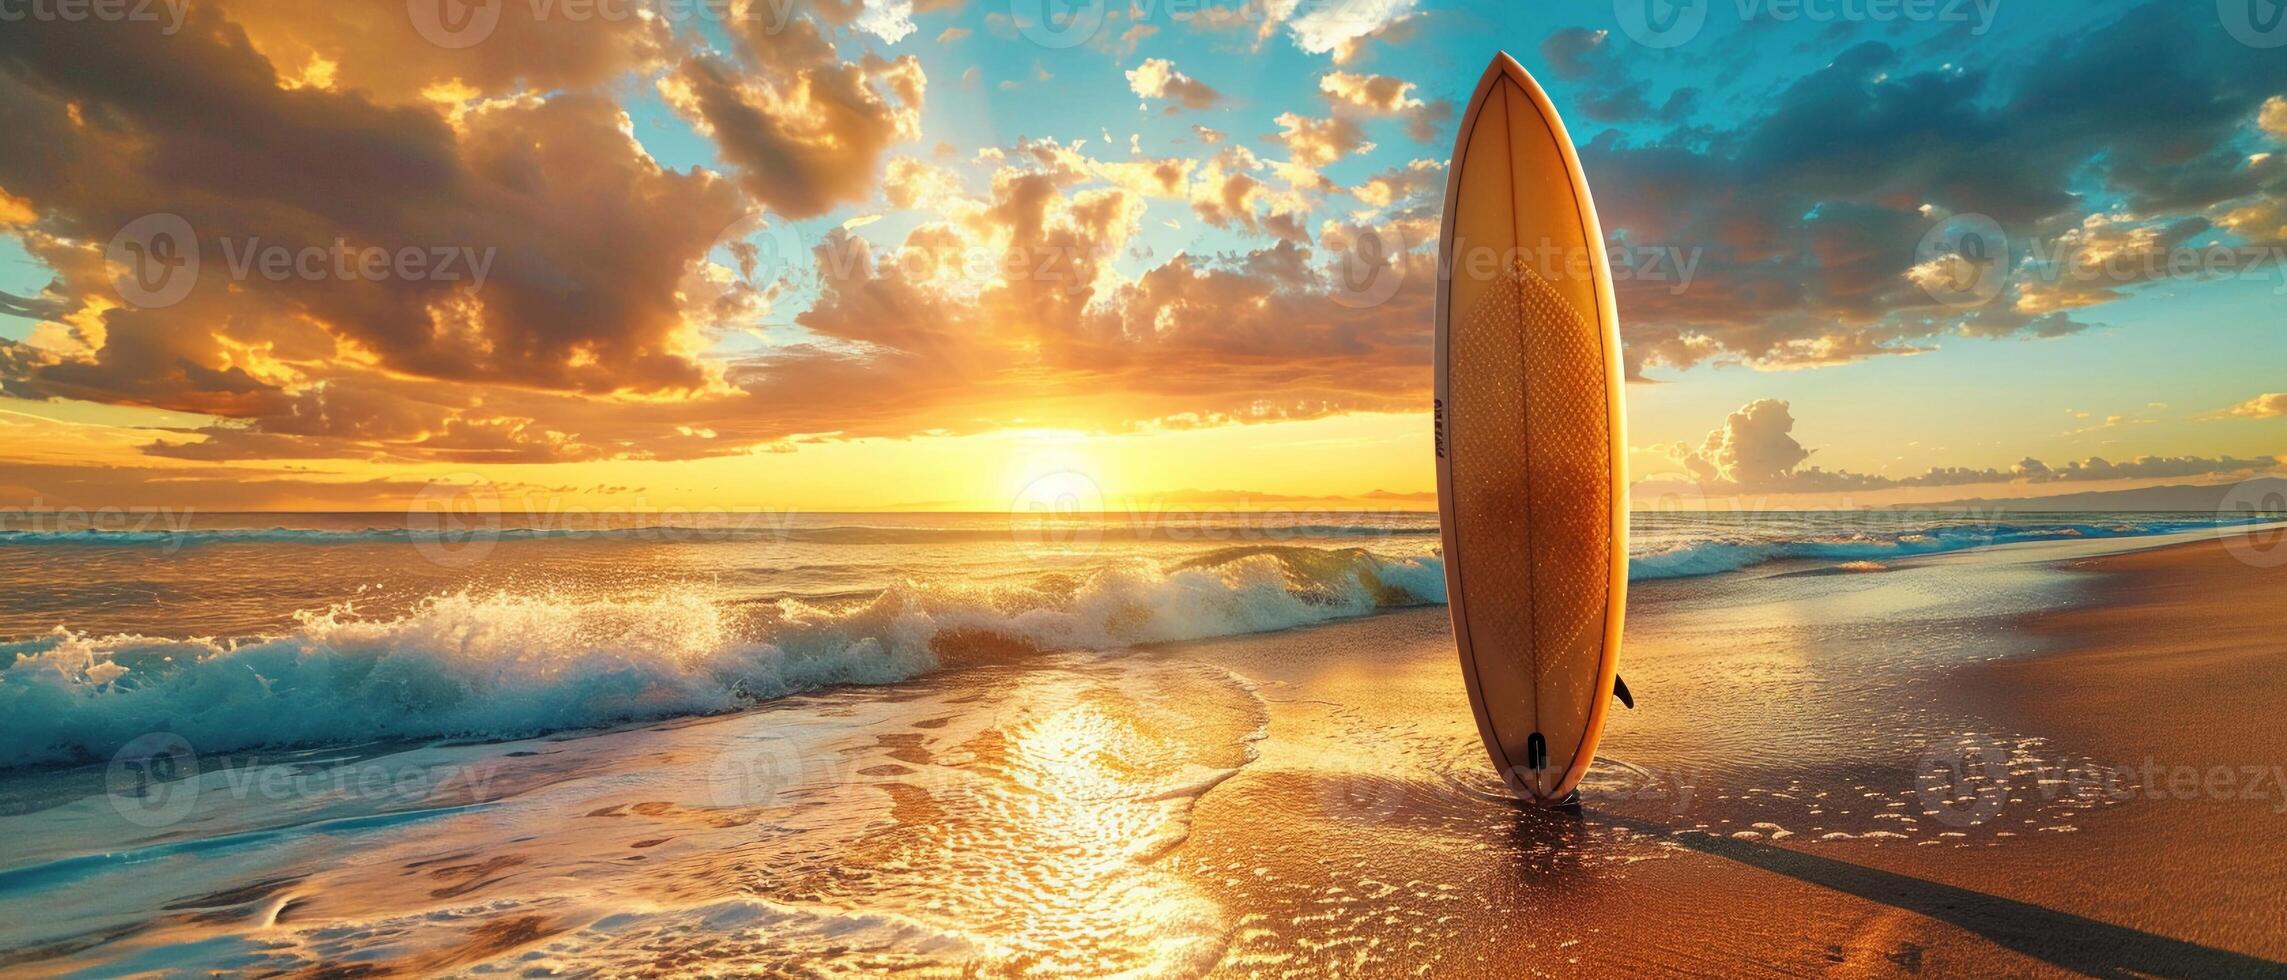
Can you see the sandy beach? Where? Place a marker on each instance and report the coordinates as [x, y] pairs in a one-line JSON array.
[[1375, 869], [1993, 761]]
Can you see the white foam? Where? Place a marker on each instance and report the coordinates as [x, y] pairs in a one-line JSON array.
[[504, 665]]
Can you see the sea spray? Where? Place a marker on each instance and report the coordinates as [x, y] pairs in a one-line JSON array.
[[502, 664]]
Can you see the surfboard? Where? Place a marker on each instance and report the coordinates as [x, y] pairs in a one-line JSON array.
[[1531, 452]]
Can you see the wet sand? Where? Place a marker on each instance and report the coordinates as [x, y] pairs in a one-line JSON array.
[[1370, 838], [1893, 771]]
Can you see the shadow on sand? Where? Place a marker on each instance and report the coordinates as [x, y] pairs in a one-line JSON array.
[[2062, 939]]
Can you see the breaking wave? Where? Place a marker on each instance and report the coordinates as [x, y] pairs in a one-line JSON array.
[[759, 529], [506, 665], [1733, 552]]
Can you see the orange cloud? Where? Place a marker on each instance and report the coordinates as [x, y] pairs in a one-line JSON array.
[[1157, 78], [2267, 406], [1755, 451]]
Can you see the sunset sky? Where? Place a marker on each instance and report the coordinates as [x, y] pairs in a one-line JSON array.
[[921, 253]]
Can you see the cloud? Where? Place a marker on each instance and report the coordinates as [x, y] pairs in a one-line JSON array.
[[1227, 194], [1157, 78], [1608, 93], [622, 317], [890, 20], [379, 50], [251, 164], [2103, 258], [806, 129], [2266, 406], [1341, 28], [1755, 451], [1383, 95], [1376, 93], [1318, 142], [2273, 116], [1570, 52], [2142, 467], [1807, 217], [1754, 447], [1415, 181]]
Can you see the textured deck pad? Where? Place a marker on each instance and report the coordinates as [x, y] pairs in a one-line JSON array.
[[1530, 481], [1532, 493]]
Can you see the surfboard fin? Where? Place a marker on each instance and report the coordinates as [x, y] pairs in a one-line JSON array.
[[1620, 690]]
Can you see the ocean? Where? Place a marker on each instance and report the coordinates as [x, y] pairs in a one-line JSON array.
[[286, 630], [855, 744]]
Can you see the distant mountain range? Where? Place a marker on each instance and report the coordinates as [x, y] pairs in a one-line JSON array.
[[2267, 493]]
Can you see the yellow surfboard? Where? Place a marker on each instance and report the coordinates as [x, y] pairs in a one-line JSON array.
[[1531, 453]]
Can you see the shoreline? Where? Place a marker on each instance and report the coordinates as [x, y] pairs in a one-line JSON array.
[[1312, 800], [1371, 830], [2161, 692]]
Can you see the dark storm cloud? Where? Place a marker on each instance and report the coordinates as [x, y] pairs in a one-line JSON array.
[[1810, 214]]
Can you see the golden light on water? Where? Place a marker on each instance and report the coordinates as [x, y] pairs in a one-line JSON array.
[[1090, 792]]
